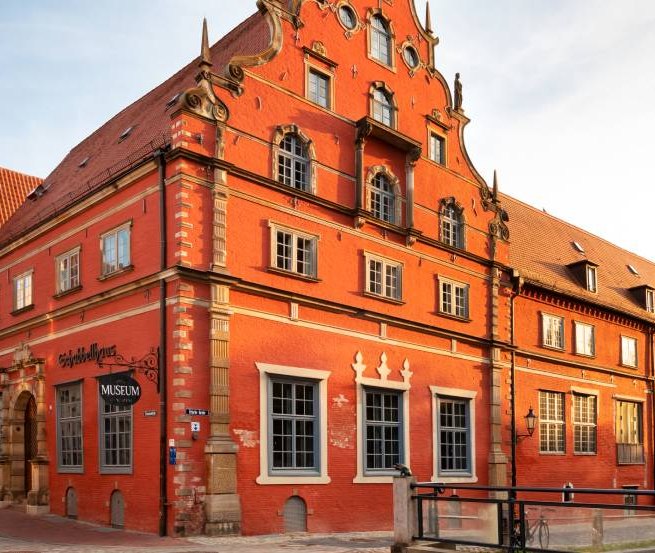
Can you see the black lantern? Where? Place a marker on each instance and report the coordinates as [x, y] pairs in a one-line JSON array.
[[530, 421]]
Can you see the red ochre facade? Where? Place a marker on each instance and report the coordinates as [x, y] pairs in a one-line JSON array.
[[226, 320]]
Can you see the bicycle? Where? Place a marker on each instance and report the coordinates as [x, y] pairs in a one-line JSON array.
[[539, 528]]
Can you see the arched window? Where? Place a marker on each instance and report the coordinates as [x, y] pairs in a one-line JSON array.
[[452, 224], [293, 162], [383, 110], [383, 200], [380, 40]]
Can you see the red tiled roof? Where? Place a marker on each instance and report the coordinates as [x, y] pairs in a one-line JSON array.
[[14, 188], [149, 118], [541, 247]]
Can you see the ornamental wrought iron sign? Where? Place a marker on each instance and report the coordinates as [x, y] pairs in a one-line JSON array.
[[119, 389], [147, 364]]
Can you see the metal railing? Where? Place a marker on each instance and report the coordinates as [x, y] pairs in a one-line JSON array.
[[532, 519]]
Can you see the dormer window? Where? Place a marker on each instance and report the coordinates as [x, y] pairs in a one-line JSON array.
[[650, 301], [592, 282], [645, 297]]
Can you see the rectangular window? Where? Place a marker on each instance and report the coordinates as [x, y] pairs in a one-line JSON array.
[[384, 277], [382, 430], [115, 437], [650, 301], [454, 298], [23, 291], [584, 423], [628, 351], [293, 424], [551, 422], [629, 434], [585, 343], [293, 251], [592, 285], [69, 427], [437, 149], [68, 270], [454, 435], [552, 331], [319, 88], [115, 247]]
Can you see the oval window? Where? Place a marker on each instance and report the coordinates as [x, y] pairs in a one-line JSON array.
[[411, 57], [347, 17]]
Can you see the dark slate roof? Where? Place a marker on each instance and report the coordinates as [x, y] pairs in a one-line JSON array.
[[91, 163], [542, 247], [14, 188]]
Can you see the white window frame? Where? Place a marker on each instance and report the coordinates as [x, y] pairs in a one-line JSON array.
[[591, 278], [436, 138], [314, 92], [385, 291], [296, 163], [628, 348], [549, 424], [362, 382], [109, 269], [638, 427], [456, 394], [585, 339], [650, 301], [124, 412], [295, 237], [65, 284], [547, 328], [266, 371], [455, 286], [23, 290], [77, 421], [383, 109], [584, 426], [377, 38]]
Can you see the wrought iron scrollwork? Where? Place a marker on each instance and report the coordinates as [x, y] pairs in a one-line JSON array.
[[147, 365]]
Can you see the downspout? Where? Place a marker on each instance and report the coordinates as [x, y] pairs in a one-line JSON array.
[[516, 290], [163, 411]]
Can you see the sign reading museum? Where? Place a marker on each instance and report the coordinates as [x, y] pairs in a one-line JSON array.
[[119, 389]]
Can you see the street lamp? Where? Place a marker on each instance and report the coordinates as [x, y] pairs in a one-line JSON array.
[[530, 423]]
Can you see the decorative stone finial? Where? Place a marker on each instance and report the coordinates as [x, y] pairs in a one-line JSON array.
[[428, 19], [205, 57], [494, 191]]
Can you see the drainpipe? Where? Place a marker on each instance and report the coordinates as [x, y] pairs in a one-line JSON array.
[[163, 411], [516, 290]]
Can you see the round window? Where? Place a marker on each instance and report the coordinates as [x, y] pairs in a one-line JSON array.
[[347, 17], [411, 57]]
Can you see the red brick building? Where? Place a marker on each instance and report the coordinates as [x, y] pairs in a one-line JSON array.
[[255, 290], [14, 188]]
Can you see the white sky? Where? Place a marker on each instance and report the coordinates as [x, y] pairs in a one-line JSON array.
[[561, 93]]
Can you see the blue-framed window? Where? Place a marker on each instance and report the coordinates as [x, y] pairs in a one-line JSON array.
[[383, 430], [454, 436], [293, 426]]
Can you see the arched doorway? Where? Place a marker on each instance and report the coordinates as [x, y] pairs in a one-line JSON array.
[[295, 515], [29, 442]]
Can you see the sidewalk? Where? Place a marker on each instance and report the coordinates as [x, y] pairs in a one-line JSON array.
[[22, 533]]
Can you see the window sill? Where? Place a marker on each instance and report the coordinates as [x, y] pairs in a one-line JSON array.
[[293, 274], [67, 292], [70, 470], [553, 348], [268, 480], [116, 273], [391, 68], [453, 479], [22, 310], [555, 453], [631, 464], [585, 453], [383, 298], [587, 355], [115, 470], [381, 479], [628, 366], [454, 317]]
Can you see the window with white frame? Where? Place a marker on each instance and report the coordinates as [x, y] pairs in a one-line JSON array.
[[585, 342], [116, 450], [318, 88], [592, 281], [628, 351], [584, 423], [453, 298], [23, 290], [384, 277], [452, 224], [552, 331], [115, 246], [380, 40], [650, 301], [383, 109], [382, 198], [68, 270], [437, 148], [293, 251], [629, 432], [293, 163], [69, 428], [551, 422], [293, 425], [383, 429]]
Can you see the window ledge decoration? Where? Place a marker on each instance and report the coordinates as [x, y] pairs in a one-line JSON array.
[[107, 276], [23, 309], [66, 292]]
